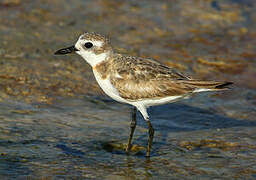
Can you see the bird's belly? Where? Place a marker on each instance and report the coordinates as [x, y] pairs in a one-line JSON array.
[[108, 88], [159, 101]]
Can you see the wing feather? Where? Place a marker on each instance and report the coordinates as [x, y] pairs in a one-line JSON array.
[[138, 78]]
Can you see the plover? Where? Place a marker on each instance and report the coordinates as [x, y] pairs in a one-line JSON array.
[[136, 81]]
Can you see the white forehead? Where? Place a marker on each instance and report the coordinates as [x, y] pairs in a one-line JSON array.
[[94, 42]]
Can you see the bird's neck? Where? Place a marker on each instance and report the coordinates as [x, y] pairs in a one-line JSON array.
[[95, 59]]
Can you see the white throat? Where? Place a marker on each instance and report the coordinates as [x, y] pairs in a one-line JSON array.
[[92, 58]]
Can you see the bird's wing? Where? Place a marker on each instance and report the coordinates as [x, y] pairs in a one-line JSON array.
[[138, 78]]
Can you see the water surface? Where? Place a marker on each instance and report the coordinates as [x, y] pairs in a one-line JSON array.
[[56, 123]]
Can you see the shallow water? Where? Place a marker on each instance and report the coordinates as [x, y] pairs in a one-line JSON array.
[[56, 122], [82, 138]]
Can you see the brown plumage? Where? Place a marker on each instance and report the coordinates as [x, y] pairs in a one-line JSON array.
[[137, 79]]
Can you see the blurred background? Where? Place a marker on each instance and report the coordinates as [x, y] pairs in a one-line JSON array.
[[55, 122]]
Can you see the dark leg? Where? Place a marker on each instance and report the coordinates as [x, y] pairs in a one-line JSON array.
[[150, 137], [132, 126]]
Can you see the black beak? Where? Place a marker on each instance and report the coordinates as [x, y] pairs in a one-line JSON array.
[[66, 50]]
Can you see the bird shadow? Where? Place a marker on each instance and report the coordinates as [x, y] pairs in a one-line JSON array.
[[181, 117]]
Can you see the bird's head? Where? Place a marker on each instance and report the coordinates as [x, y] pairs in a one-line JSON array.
[[94, 48]]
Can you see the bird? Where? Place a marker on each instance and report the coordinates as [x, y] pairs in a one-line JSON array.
[[140, 82]]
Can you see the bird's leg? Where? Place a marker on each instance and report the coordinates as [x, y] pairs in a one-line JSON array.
[[151, 130], [132, 126], [150, 137]]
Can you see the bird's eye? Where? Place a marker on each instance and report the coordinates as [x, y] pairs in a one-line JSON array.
[[88, 45]]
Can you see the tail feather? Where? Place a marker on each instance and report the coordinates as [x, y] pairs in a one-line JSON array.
[[200, 86], [224, 85]]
